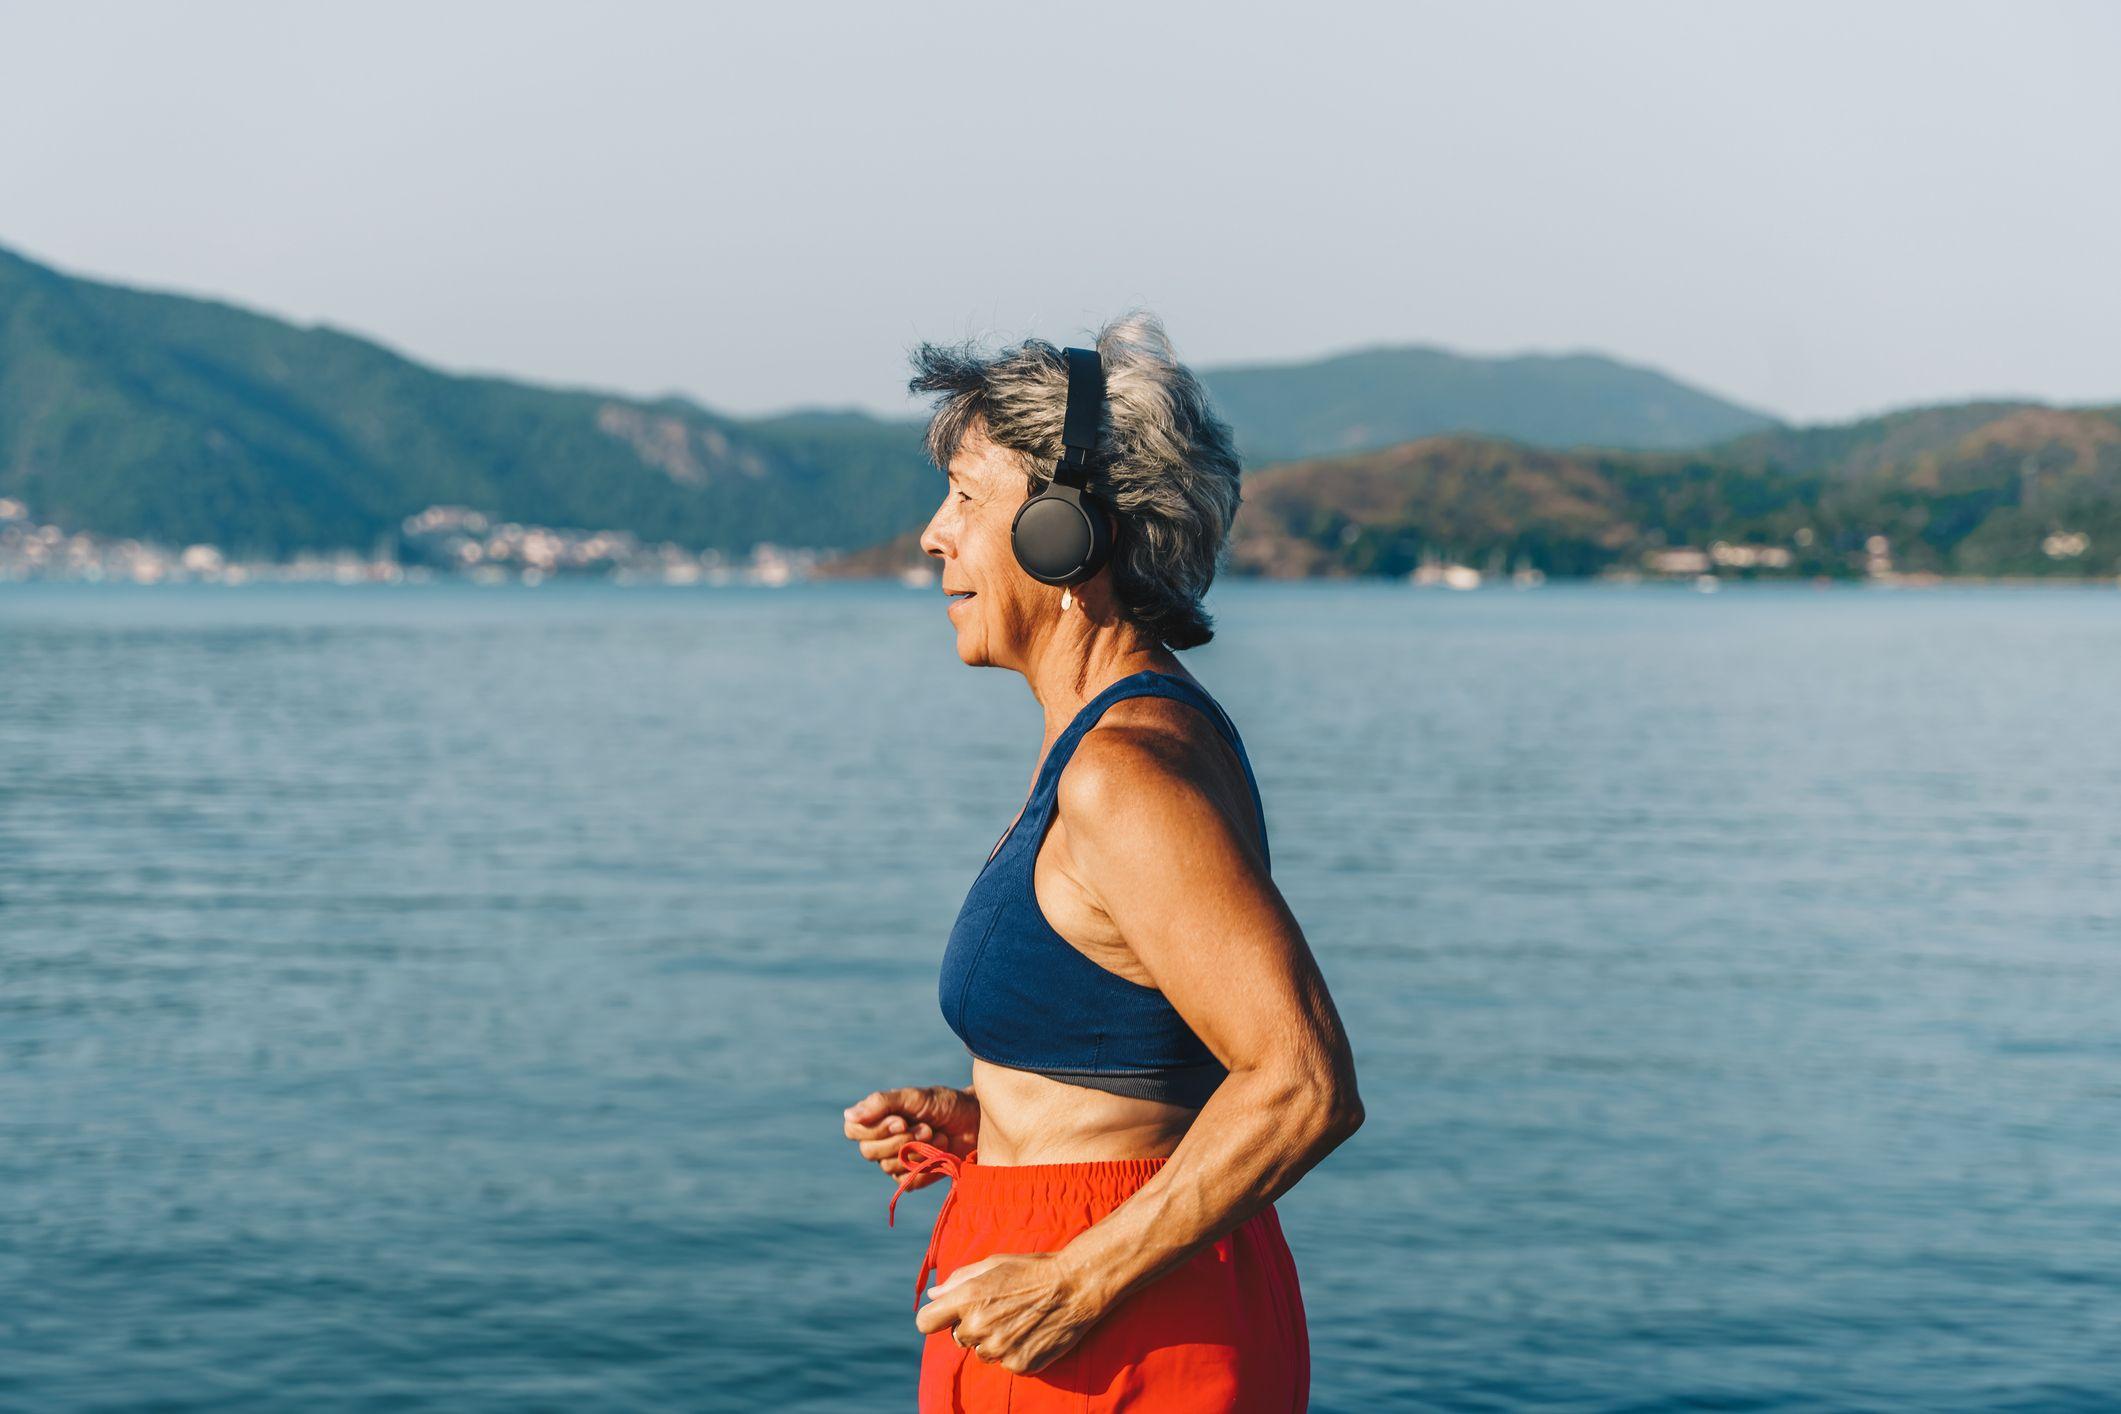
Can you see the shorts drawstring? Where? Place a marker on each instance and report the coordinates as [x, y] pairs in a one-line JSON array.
[[926, 1157]]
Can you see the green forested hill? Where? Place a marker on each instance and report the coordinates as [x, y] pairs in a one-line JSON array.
[[1978, 489], [184, 420], [1987, 501]]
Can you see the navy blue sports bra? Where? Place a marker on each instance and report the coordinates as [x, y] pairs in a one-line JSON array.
[[1019, 994]]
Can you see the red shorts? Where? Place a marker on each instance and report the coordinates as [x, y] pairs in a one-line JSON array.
[[1222, 1333]]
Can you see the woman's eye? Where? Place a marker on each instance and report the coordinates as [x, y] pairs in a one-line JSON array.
[[963, 497]]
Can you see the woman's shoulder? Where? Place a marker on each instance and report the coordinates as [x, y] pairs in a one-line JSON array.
[[1137, 736], [1150, 754]]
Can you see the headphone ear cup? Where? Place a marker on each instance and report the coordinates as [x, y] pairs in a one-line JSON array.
[[1060, 536]]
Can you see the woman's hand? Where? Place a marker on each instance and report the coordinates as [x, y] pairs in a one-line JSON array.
[[882, 1121], [1019, 1310]]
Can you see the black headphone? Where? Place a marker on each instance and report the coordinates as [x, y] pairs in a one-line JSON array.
[[1063, 534]]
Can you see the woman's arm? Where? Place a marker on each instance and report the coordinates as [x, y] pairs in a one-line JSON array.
[[1193, 901]]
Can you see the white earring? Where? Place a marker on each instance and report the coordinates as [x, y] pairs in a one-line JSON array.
[[1067, 599]]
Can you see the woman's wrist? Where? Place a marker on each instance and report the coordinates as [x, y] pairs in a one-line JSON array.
[[1086, 1278]]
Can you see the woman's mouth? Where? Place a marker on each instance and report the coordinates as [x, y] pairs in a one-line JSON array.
[[957, 597]]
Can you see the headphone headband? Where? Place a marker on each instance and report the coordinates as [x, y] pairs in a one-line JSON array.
[[1086, 397]]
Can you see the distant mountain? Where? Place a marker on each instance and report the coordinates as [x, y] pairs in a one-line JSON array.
[[1978, 489], [2027, 490], [186, 420], [1380, 397]]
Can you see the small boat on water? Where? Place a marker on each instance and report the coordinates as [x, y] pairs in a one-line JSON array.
[[1433, 571]]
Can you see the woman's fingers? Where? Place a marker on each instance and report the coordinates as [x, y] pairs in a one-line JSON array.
[[879, 1137], [882, 1128], [907, 1099], [887, 1147]]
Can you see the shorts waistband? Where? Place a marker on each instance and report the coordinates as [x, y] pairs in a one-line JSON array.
[[1113, 1178]]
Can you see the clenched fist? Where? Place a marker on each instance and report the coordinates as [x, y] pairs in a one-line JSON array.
[[882, 1121]]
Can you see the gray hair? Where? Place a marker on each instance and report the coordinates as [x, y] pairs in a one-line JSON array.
[[1166, 464]]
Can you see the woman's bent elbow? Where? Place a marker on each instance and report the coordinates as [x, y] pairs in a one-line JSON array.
[[1347, 1117], [1324, 1109], [1338, 1114]]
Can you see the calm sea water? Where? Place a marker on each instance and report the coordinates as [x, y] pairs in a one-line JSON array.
[[445, 998]]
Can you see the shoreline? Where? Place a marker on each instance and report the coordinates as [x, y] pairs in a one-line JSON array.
[[418, 577]]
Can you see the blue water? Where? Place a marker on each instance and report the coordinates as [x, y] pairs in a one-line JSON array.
[[445, 998]]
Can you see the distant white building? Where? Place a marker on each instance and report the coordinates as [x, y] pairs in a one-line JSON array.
[[1681, 560]]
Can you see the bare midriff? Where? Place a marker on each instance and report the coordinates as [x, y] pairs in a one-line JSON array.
[[1027, 1118]]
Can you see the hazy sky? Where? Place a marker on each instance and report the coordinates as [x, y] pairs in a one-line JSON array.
[[1820, 209]]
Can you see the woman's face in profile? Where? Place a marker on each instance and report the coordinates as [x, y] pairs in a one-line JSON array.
[[969, 533]]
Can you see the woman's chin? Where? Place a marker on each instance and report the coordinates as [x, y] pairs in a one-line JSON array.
[[972, 647]]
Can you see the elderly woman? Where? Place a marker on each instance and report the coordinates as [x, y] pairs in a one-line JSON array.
[[1154, 1055]]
